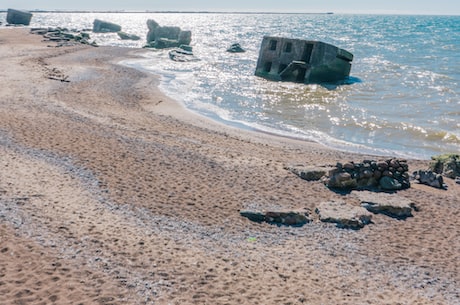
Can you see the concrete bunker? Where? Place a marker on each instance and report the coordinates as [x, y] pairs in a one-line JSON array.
[[302, 61]]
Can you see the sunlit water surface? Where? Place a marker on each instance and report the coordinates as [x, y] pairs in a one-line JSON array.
[[402, 97]]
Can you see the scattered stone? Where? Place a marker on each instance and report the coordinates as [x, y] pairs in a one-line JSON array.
[[126, 36], [447, 165], [292, 218], [100, 26], [344, 215], [63, 36], [391, 174], [18, 17], [429, 178], [236, 48], [388, 204], [308, 173]]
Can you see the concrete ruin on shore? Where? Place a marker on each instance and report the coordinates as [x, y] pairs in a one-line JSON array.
[[302, 61]]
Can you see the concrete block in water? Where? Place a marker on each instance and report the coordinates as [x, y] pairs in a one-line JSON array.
[[302, 61]]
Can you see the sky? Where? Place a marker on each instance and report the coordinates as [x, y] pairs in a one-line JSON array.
[[426, 7]]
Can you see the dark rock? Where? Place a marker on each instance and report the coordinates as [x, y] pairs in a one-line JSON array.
[[253, 215], [390, 184], [100, 26], [291, 218], [18, 17], [388, 175], [388, 204], [236, 48], [447, 165], [344, 215], [429, 178]]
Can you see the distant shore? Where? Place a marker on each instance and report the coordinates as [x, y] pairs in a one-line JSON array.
[[169, 12]]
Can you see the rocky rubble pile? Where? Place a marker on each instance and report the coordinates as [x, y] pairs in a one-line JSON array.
[[447, 165], [390, 174]]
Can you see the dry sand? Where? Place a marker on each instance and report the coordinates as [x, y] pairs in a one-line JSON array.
[[111, 193]]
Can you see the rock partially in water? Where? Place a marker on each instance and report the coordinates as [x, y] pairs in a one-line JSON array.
[[126, 36], [18, 17], [344, 215], [162, 37], [236, 48], [100, 26]]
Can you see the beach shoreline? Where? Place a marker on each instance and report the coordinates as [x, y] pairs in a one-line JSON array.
[[113, 193]]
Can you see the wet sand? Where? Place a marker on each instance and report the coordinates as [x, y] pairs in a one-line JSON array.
[[112, 193]]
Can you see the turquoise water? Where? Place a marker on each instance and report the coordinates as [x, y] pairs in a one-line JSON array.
[[402, 98]]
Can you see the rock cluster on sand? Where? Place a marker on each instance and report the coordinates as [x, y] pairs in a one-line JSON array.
[[162, 37], [63, 36], [447, 165], [429, 178], [390, 174]]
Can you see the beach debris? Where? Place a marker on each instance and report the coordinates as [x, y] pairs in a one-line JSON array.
[[63, 36], [18, 17], [100, 26], [447, 165], [344, 215], [387, 175], [236, 48], [309, 173], [164, 37], [126, 36], [286, 218], [387, 204], [302, 61], [429, 178]]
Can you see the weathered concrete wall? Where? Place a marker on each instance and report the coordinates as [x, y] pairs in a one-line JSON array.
[[285, 59], [18, 17]]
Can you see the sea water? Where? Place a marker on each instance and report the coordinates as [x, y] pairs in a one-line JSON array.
[[402, 97]]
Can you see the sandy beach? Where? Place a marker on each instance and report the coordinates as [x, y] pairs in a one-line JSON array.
[[112, 193]]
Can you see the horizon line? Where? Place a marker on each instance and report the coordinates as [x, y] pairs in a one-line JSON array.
[[221, 12]]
